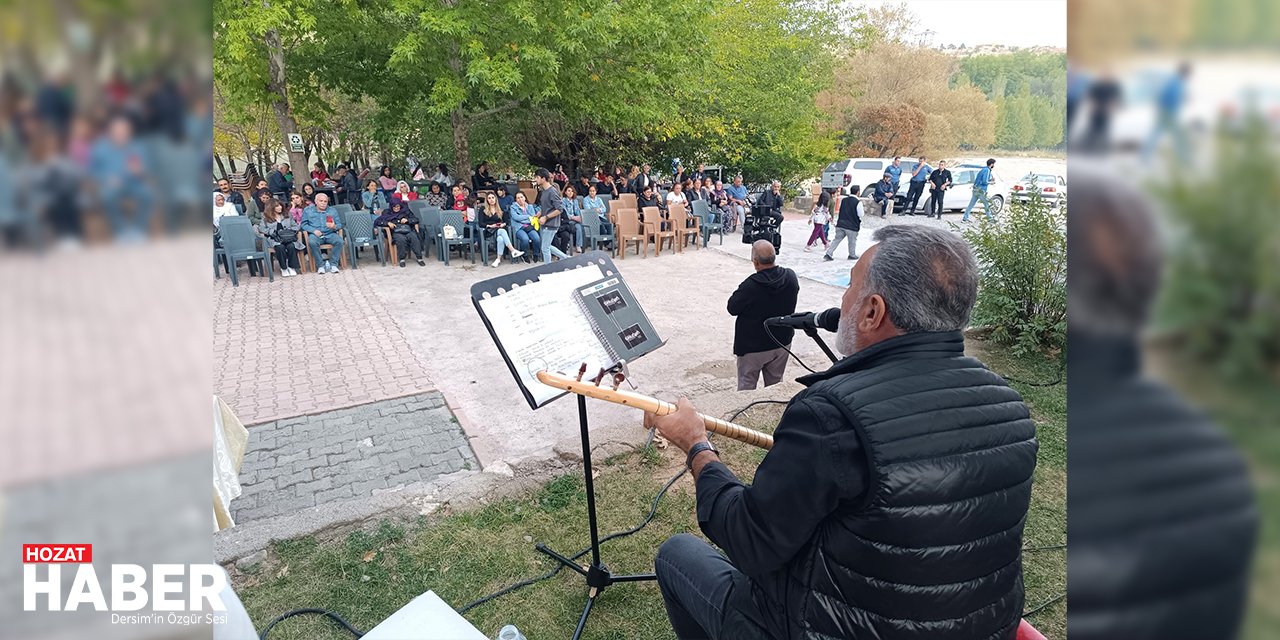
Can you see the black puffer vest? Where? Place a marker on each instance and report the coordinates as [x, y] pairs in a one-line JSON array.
[[934, 549]]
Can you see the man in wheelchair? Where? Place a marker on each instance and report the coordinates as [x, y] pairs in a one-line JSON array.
[[764, 221]]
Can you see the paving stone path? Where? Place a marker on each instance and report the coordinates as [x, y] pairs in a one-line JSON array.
[[308, 461]]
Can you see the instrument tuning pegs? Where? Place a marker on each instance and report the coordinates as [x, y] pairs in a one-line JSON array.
[[581, 371], [617, 380], [599, 377]]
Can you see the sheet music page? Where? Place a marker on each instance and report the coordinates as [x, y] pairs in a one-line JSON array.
[[541, 327]]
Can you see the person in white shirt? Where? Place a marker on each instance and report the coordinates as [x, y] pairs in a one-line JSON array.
[[676, 196]]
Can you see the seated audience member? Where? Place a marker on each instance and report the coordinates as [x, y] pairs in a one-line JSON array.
[[232, 196], [737, 202], [442, 175], [482, 180], [308, 194], [348, 189], [261, 202], [690, 191], [504, 199], [282, 234], [373, 198], [706, 189], [647, 198], [571, 226], [386, 182], [720, 205], [676, 196], [278, 182], [296, 204], [260, 189], [584, 182], [560, 177], [321, 225], [400, 219], [607, 187], [494, 224], [319, 175], [436, 197], [221, 207], [520, 216], [459, 198], [404, 192], [595, 211]]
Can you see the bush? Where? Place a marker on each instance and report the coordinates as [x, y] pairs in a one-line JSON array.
[[1221, 295], [1022, 288]]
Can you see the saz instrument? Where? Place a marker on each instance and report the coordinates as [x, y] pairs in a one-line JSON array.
[[591, 389]]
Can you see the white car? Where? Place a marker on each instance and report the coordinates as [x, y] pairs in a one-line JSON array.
[[864, 172], [960, 191], [1053, 188]]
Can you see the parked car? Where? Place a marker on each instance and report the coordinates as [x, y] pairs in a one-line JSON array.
[[1053, 188], [864, 172], [961, 189]]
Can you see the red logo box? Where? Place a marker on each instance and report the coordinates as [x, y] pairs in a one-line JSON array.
[[57, 553]]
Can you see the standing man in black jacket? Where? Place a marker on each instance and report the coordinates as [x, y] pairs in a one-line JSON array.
[[848, 223], [769, 292], [941, 181], [893, 501]]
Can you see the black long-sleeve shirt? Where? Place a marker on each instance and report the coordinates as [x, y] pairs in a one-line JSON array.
[[810, 471]]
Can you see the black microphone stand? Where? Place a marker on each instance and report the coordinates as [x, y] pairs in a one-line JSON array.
[[813, 333]]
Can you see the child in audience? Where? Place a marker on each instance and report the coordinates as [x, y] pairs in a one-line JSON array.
[[819, 217]]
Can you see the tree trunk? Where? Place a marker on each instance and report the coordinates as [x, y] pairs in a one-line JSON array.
[[461, 145], [232, 160], [280, 105], [222, 170]]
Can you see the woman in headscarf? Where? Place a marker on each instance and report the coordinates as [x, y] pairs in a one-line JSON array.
[[436, 197], [400, 219], [281, 233], [404, 193], [221, 207]]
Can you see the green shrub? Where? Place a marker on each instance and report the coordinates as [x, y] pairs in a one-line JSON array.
[[1022, 288], [1221, 294]]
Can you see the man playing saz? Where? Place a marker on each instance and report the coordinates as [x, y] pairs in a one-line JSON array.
[[893, 501]]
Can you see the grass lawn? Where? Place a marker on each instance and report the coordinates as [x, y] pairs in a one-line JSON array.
[[465, 555]]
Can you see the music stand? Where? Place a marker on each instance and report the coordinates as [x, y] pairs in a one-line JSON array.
[[597, 574]]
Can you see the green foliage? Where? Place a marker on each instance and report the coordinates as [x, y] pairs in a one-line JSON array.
[[1222, 292], [1022, 290], [1029, 91]]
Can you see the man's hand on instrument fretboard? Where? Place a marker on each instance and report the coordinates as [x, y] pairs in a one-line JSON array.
[[684, 428]]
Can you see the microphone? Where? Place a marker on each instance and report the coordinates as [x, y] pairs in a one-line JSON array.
[[829, 320]]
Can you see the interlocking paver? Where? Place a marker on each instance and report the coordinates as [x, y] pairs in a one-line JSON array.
[[324, 458], [307, 345]]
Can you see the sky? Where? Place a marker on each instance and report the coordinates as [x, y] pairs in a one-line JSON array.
[[1018, 23]]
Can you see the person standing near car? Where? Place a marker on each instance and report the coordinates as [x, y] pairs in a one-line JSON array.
[[884, 194], [895, 181], [918, 179], [983, 180], [1168, 104], [941, 180]]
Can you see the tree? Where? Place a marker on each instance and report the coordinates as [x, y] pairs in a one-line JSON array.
[[888, 130], [1049, 123], [255, 45], [1015, 128]]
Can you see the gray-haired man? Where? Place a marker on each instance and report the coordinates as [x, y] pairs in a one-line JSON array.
[[769, 292], [897, 488]]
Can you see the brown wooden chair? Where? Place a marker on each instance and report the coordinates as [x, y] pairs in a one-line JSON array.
[[627, 201], [627, 225], [653, 229], [686, 227]]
